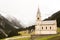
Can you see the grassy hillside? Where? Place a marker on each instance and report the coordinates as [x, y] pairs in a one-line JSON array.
[[50, 37]]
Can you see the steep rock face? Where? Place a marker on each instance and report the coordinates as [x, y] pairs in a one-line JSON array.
[[14, 21], [7, 28], [55, 16]]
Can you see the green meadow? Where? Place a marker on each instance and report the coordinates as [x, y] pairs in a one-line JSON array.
[[49, 37]]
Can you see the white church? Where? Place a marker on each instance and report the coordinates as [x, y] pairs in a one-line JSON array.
[[45, 27]]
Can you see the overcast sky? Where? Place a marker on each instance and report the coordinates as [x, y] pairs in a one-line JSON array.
[[26, 10]]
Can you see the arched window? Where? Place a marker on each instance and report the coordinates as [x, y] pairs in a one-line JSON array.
[[50, 27], [42, 27], [46, 27]]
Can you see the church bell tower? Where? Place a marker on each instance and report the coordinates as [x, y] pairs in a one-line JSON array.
[[38, 22], [38, 15]]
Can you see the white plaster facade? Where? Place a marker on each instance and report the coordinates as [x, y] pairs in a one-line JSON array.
[[45, 27]]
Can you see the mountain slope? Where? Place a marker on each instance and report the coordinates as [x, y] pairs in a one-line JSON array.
[[55, 16], [14, 21], [7, 29]]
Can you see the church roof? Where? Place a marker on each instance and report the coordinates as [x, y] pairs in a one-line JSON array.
[[48, 22]]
